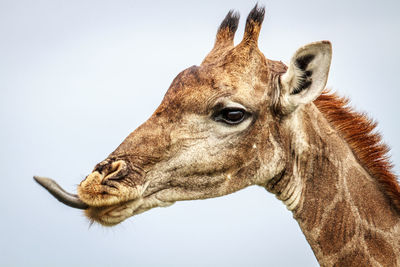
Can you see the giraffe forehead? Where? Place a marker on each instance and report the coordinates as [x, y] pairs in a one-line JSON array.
[[206, 81], [241, 78], [203, 99]]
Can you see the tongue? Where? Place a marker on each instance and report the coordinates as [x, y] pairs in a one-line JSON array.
[[63, 196]]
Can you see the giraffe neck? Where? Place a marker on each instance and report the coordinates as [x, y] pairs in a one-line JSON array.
[[343, 213]]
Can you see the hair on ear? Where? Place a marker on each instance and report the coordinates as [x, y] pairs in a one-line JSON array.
[[305, 76], [303, 61], [304, 79]]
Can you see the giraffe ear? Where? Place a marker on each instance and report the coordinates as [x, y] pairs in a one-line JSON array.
[[306, 76]]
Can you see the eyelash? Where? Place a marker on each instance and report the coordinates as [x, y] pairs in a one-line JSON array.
[[231, 116]]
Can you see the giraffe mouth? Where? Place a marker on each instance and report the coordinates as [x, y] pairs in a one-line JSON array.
[[106, 215]]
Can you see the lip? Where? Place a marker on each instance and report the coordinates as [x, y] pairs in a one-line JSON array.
[[114, 214]]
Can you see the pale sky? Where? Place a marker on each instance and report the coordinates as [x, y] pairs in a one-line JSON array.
[[76, 77]]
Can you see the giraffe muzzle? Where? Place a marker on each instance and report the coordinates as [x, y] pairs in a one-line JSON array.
[[60, 194]]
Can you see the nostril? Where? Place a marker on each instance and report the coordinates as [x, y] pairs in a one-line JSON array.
[[115, 166], [102, 166], [116, 171]]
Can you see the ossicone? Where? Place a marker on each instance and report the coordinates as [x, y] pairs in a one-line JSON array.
[[253, 24], [227, 29]]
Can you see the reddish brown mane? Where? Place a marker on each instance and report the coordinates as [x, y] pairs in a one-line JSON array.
[[359, 132]]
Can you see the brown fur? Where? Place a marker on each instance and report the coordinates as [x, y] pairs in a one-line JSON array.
[[359, 132]]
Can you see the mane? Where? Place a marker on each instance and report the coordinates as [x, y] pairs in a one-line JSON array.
[[359, 131]]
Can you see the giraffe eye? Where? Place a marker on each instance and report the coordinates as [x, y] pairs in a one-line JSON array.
[[230, 116]]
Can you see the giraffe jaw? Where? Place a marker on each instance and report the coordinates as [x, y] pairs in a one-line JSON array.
[[115, 214]]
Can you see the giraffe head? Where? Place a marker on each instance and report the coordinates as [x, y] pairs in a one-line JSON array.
[[217, 130]]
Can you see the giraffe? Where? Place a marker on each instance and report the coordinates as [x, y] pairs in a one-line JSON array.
[[240, 119]]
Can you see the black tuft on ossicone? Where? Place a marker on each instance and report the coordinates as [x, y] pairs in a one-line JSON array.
[[231, 21], [256, 15], [253, 25]]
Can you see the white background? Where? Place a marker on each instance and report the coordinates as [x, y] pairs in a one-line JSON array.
[[76, 77]]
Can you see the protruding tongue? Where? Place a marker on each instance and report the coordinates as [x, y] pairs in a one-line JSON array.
[[63, 196]]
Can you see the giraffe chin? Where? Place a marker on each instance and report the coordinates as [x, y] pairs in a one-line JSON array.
[[115, 214]]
